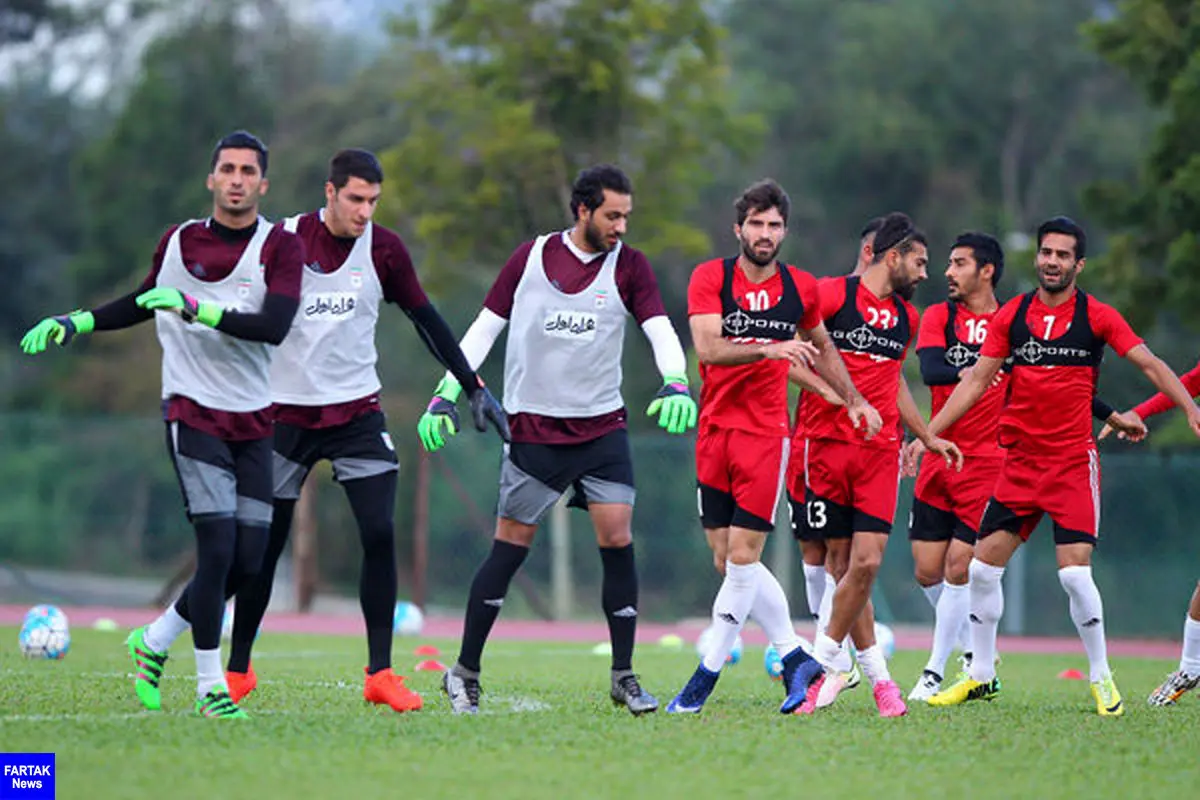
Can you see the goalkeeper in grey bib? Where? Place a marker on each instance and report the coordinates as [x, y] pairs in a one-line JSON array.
[[566, 296]]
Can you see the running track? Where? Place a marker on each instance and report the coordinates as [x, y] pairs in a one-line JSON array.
[[591, 632]]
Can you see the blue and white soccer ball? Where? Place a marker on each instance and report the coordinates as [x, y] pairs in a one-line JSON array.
[[45, 633], [705, 643], [886, 639], [773, 662], [408, 619]]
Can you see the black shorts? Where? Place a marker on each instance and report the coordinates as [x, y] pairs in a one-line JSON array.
[[534, 476], [220, 478], [361, 448], [928, 523]]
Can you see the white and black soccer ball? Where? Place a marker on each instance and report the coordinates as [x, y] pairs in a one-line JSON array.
[[408, 619], [45, 634]]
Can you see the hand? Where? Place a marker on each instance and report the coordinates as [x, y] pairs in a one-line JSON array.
[[863, 413], [947, 450], [910, 458], [437, 424], [674, 406], [1127, 424], [798, 352], [164, 298], [485, 409], [60, 330]]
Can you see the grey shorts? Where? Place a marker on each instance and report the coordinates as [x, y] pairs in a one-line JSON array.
[[534, 476], [361, 448], [220, 478]]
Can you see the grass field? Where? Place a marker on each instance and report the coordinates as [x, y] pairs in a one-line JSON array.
[[548, 730]]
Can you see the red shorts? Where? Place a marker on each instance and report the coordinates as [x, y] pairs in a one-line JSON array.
[[849, 488], [739, 476], [1030, 485], [948, 503]]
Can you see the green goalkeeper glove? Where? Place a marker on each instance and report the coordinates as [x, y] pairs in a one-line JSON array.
[[674, 406], [164, 298], [440, 420], [60, 330]]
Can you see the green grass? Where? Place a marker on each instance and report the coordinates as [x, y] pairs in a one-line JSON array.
[[549, 730]]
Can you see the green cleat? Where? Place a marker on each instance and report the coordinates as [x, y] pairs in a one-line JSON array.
[[149, 667], [218, 704]]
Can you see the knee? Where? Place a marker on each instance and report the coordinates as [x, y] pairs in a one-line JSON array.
[[957, 568], [865, 565], [614, 538], [378, 539], [513, 532], [837, 562], [927, 574]]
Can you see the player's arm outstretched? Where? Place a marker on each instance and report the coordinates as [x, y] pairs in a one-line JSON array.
[[810, 381], [713, 348], [673, 403], [971, 387], [910, 415], [1130, 425], [830, 366]]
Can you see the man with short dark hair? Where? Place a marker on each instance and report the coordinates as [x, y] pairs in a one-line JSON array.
[[565, 297], [223, 292], [1055, 336]]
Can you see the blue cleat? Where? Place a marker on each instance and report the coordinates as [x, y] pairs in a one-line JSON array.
[[799, 671], [691, 699]]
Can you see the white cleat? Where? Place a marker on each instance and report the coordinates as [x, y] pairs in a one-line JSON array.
[[832, 686], [928, 685]]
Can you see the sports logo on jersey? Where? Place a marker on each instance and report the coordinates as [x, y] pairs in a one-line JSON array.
[[739, 323], [577, 326], [329, 306], [243, 287], [961, 356], [1034, 351], [356, 277], [601, 298], [864, 338]]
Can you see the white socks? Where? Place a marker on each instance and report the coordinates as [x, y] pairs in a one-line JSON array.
[[952, 611], [873, 664], [987, 606], [1087, 612], [933, 593], [209, 674], [831, 654], [1190, 662], [814, 587], [825, 610], [771, 611], [163, 632], [730, 610]]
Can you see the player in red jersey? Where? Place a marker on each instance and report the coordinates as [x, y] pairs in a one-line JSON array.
[[745, 314], [851, 484], [1056, 337], [1187, 677]]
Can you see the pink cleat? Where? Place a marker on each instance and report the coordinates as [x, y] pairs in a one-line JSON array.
[[890, 699], [835, 682], [810, 698]]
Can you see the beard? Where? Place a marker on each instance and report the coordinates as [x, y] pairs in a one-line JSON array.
[[595, 239], [754, 258], [1057, 284], [906, 291]]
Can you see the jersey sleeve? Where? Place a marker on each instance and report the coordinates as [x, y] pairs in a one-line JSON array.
[[810, 298], [156, 263], [914, 323], [499, 298], [933, 327], [638, 286], [283, 267], [832, 292], [996, 345], [396, 273], [1159, 403], [704, 289], [1110, 326]]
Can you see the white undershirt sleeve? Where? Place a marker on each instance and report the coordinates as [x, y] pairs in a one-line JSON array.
[[668, 352], [478, 340]]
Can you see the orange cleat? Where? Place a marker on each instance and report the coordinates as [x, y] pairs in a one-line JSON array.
[[241, 683], [387, 688]]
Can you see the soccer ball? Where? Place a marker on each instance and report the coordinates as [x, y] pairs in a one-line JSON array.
[[45, 634], [773, 662], [705, 643], [408, 619], [886, 639]]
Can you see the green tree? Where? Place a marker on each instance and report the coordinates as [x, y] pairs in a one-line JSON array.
[[507, 99], [1153, 262]]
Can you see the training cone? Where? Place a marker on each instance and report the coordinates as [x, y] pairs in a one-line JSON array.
[[671, 641], [432, 665], [427, 650], [602, 649], [1071, 675]]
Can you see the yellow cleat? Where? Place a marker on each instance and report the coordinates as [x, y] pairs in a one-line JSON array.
[[965, 689], [1108, 699]]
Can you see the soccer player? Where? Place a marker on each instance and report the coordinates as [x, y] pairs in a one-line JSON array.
[[852, 483], [745, 313], [567, 295], [1187, 677], [326, 394], [1055, 336], [223, 291]]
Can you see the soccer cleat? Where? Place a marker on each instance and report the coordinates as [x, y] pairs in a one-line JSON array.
[[218, 705], [241, 683], [966, 689], [1174, 687], [693, 695], [386, 688], [853, 677], [889, 699], [463, 692], [626, 691], [810, 699], [1108, 699], [831, 687], [929, 684], [799, 672], [149, 666]]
